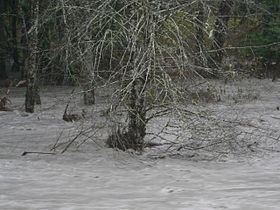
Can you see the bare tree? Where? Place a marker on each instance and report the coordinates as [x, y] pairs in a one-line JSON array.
[[144, 72], [147, 42], [148, 47]]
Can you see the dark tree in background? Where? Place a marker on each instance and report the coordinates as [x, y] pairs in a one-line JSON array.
[[200, 32], [264, 32], [220, 32], [3, 40], [14, 45]]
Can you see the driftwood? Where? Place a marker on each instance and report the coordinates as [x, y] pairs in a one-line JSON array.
[[70, 117], [9, 83], [42, 153], [3, 104]]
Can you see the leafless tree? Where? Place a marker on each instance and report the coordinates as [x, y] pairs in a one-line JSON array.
[[147, 49]]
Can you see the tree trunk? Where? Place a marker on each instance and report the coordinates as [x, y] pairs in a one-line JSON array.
[[137, 112], [66, 38], [44, 42], [88, 80], [141, 60], [3, 74], [32, 61], [219, 34], [26, 25], [89, 93]]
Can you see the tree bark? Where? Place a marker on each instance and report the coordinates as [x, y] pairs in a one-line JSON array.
[[25, 21], [88, 80], [89, 93], [137, 106], [32, 60], [43, 40], [137, 112]]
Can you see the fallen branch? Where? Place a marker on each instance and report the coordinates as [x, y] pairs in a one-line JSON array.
[[42, 153], [71, 142]]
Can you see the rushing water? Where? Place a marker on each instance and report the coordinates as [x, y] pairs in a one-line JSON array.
[[97, 182], [99, 178]]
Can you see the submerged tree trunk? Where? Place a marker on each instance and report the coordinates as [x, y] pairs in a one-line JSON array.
[[89, 93], [88, 80], [137, 112], [141, 60], [219, 34], [31, 64], [137, 78]]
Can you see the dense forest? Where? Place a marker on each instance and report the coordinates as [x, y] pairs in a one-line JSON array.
[[141, 47]]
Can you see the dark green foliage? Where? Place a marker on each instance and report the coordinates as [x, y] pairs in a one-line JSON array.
[[266, 35], [25, 3]]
